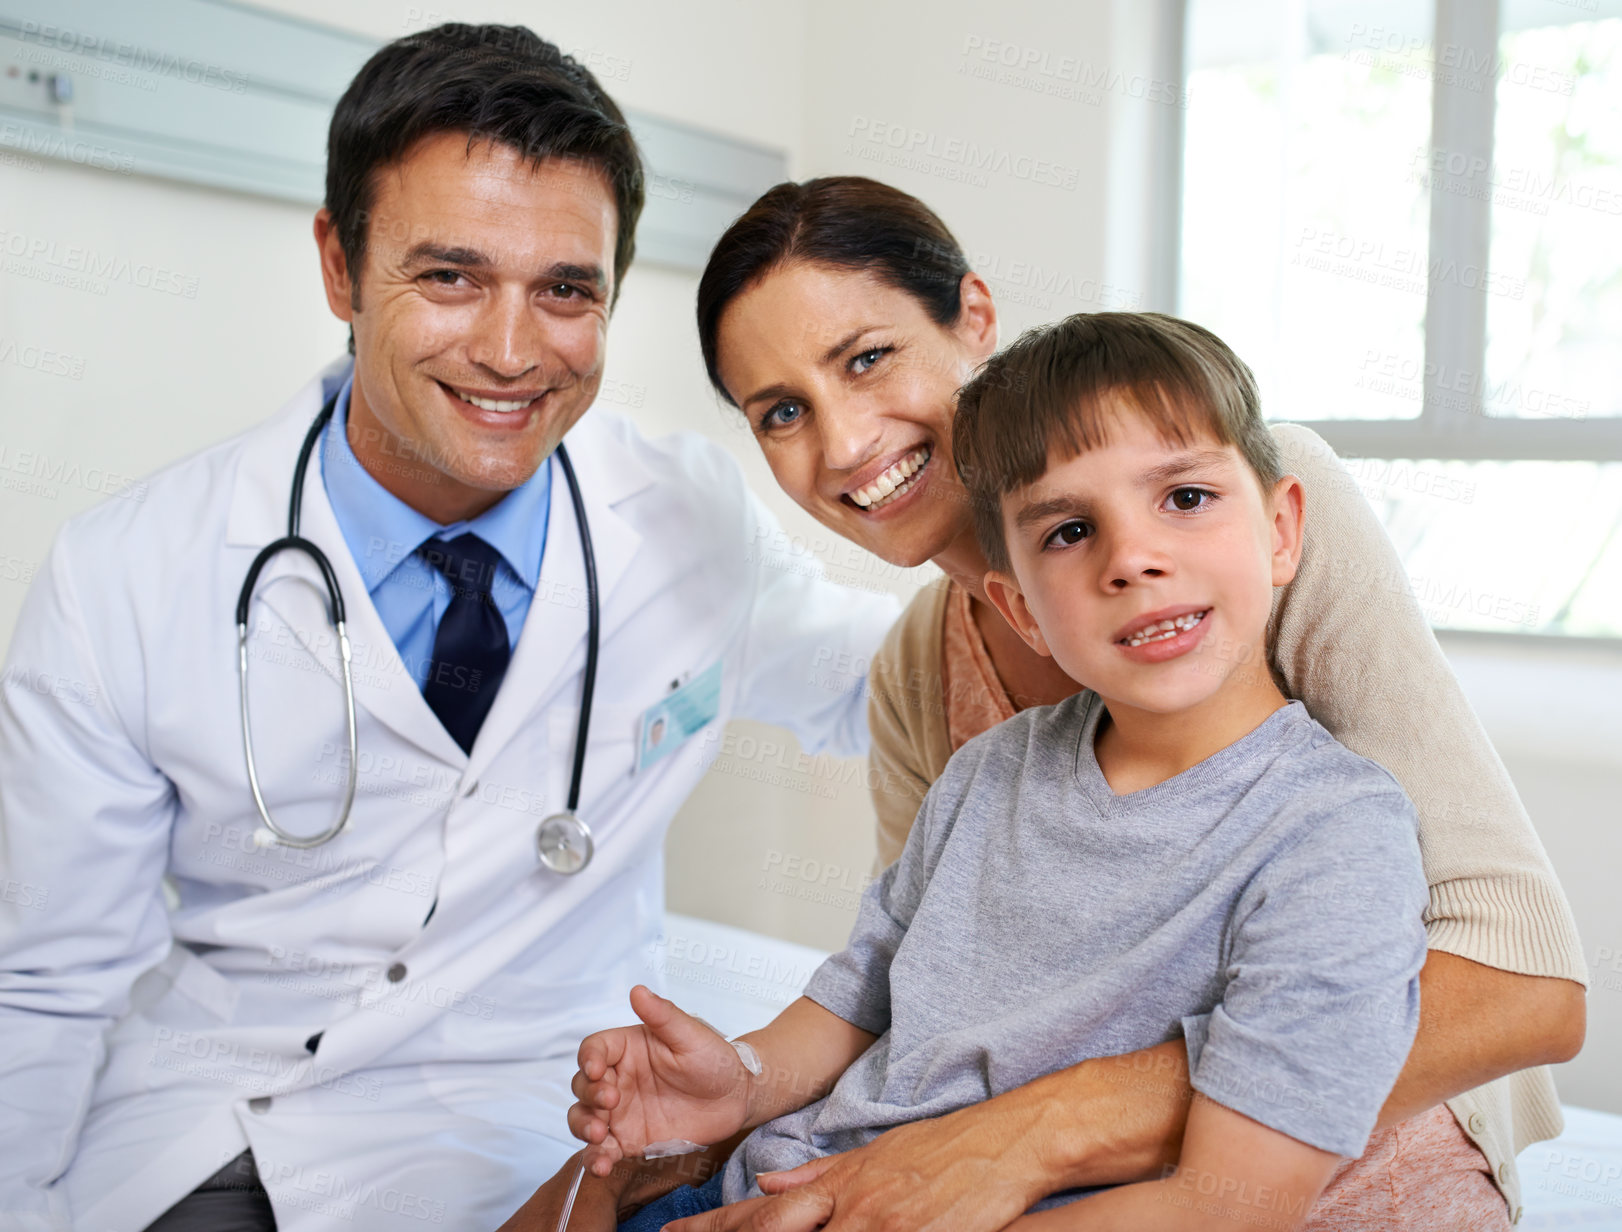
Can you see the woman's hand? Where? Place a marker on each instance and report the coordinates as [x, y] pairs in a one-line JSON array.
[[969, 1171], [603, 1203], [671, 1078], [596, 1206]]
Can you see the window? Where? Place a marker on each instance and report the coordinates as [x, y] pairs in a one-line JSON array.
[[1409, 221]]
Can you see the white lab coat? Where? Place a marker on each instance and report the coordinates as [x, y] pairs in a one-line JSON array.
[[144, 1046]]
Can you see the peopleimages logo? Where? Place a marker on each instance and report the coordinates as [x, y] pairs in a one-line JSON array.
[[46, 470], [93, 264], [1531, 190], [1454, 64], [32, 358], [922, 150], [1061, 76], [70, 149], [1371, 260], [131, 56]]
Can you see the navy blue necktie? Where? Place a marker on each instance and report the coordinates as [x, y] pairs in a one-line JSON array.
[[470, 649]]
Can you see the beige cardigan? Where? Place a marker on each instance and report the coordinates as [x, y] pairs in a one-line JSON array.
[[1347, 638]]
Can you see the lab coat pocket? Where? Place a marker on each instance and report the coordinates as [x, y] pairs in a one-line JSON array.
[[177, 1010], [187, 976]]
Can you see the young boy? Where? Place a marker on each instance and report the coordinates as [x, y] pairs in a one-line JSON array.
[[1178, 851]]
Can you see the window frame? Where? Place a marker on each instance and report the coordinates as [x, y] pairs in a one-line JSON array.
[[1463, 110]]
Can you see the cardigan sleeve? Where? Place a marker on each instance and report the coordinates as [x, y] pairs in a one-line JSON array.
[[906, 719], [1349, 640]]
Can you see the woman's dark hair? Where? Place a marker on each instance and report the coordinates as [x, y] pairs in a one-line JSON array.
[[846, 221], [504, 84]]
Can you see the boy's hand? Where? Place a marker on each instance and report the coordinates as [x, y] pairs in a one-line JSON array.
[[673, 1077]]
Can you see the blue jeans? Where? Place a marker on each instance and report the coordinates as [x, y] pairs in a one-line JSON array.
[[677, 1204]]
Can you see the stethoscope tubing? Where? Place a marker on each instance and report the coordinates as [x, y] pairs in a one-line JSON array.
[[588, 686]]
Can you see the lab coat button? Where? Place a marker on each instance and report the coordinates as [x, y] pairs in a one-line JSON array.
[[1476, 1124], [397, 973], [259, 1104]]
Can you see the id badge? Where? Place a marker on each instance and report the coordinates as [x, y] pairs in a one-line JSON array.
[[667, 724]]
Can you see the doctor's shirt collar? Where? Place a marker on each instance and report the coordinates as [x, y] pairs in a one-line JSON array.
[[382, 530]]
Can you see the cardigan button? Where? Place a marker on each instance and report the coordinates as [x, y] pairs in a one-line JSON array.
[[1504, 1172], [1476, 1124]]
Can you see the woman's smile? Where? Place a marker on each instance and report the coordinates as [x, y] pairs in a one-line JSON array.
[[893, 484]]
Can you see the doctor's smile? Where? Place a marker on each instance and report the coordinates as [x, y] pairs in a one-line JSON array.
[[501, 411], [505, 402]]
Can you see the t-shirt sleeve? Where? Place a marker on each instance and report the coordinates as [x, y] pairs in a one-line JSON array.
[[855, 983], [1322, 996]]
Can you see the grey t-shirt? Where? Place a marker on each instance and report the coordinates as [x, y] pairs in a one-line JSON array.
[[1266, 903]]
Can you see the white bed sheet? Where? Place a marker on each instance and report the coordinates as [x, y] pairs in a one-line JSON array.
[[738, 980]]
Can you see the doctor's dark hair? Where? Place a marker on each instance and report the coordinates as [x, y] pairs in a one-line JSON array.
[[503, 84], [845, 221], [1058, 388]]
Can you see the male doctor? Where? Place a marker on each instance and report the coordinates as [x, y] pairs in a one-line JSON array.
[[379, 1031]]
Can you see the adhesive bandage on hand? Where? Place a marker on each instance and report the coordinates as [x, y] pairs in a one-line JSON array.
[[748, 1055], [746, 1052]]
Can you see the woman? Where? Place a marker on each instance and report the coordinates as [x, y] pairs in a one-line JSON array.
[[839, 316]]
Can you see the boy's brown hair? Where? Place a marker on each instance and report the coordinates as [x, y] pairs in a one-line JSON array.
[[1057, 386]]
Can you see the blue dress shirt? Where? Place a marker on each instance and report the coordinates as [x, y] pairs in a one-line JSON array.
[[383, 534]]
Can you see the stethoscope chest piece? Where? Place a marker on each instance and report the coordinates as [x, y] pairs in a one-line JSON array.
[[563, 843]]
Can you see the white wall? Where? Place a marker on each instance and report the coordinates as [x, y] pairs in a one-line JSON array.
[[1011, 162], [151, 375], [1554, 712], [727, 65]]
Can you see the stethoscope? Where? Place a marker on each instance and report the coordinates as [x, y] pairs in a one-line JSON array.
[[563, 841]]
